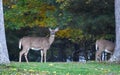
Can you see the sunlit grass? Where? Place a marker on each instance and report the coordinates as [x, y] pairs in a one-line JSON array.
[[60, 68]]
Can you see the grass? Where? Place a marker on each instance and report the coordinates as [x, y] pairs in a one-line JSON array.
[[60, 68]]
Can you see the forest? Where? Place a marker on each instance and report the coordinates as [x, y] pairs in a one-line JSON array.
[[80, 23]]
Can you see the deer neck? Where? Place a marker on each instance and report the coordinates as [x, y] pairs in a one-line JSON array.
[[51, 39]]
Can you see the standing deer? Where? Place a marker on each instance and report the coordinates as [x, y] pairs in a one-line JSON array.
[[36, 43], [103, 45]]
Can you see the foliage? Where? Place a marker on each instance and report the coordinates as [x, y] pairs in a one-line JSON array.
[[28, 13], [98, 25], [64, 3], [75, 35], [93, 17], [73, 68], [90, 6], [89, 16]]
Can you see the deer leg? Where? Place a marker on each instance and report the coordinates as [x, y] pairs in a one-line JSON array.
[[45, 55], [102, 56], [98, 56], [26, 56], [20, 55], [41, 55], [106, 56]]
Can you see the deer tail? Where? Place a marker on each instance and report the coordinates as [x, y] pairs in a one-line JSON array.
[[96, 47], [20, 43]]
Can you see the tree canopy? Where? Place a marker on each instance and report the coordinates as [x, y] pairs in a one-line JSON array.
[[86, 17]]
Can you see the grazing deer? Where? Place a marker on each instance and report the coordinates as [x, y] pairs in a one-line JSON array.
[[36, 43], [103, 45]]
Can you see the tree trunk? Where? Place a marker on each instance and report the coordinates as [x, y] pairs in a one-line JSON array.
[[116, 55], [4, 58]]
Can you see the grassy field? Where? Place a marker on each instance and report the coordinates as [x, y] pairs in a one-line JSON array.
[[60, 68]]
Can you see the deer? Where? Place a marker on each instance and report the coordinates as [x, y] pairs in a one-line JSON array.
[[36, 43], [103, 45]]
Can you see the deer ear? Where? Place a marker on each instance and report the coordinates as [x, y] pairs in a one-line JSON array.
[[56, 29], [50, 29]]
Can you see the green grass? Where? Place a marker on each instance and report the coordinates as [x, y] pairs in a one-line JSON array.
[[60, 68]]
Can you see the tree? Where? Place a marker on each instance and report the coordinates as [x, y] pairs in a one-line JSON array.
[[4, 58], [116, 55]]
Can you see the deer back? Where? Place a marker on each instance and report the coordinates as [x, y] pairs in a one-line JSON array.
[[105, 44]]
